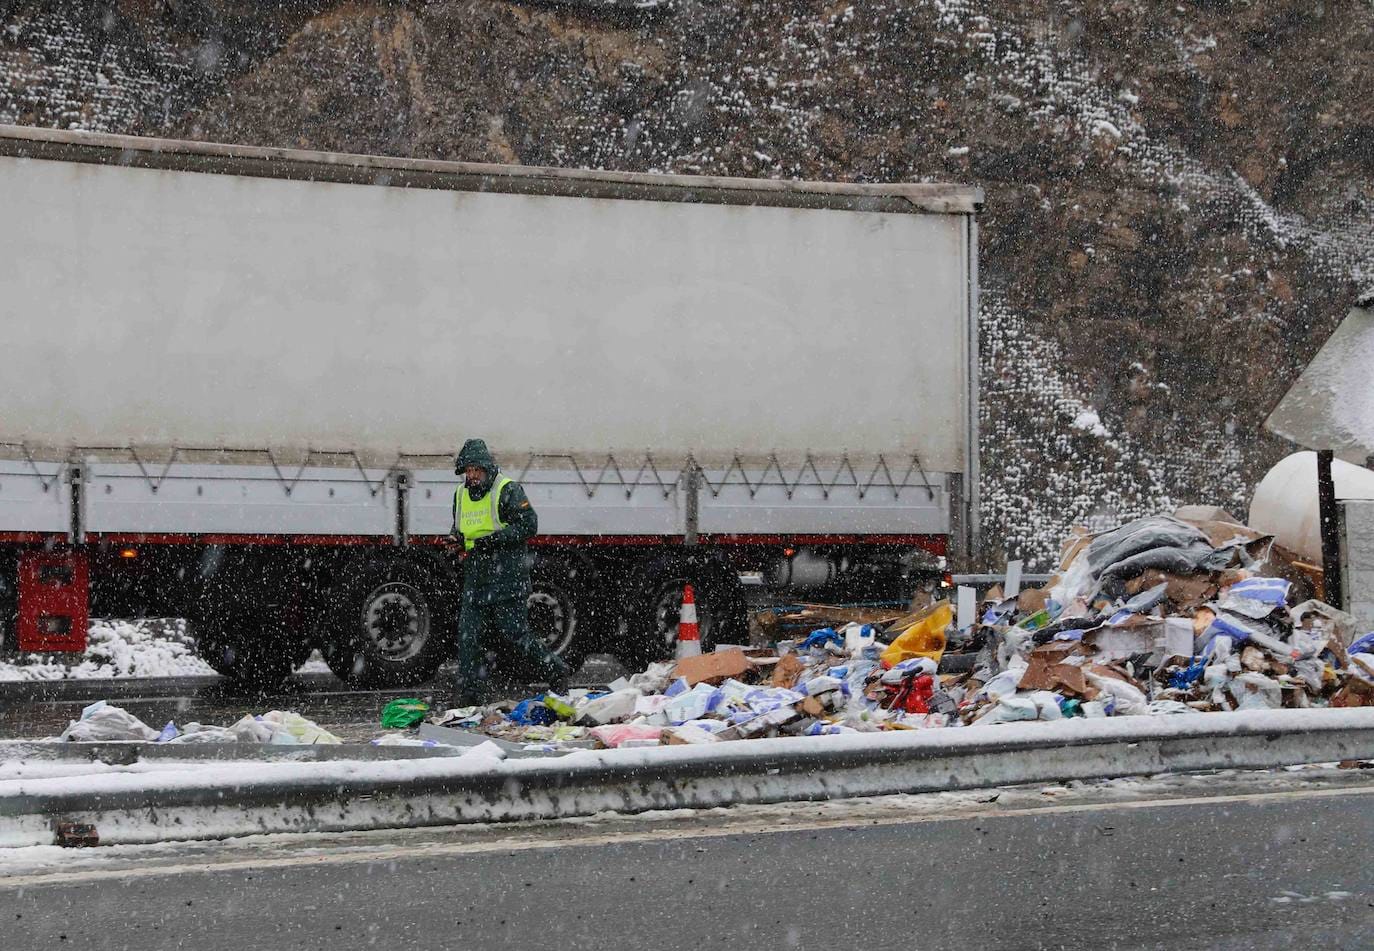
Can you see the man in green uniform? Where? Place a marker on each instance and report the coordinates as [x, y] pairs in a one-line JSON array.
[[492, 521]]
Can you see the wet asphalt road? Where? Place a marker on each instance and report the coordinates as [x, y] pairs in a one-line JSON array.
[[1209, 869], [32, 710]]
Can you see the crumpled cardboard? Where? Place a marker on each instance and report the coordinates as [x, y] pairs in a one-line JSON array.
[[1046, 670], [1032, 600], [787, 671], [1355, 693], [1188, 592], [714, 668]]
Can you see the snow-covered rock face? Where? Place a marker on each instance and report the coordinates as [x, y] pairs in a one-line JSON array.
[[117, 649], [1180, 196]]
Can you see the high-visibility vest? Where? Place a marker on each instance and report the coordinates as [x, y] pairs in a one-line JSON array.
[[479, 519]]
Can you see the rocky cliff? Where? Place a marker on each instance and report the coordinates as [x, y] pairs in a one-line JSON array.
[[1180, 196]]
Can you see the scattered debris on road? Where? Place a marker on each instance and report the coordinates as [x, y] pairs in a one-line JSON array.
[[102, 722], [1177, 614]]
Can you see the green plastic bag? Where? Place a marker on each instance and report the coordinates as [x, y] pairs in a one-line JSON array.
[[403, 712]]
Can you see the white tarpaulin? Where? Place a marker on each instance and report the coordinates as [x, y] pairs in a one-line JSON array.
[[1331, 406]]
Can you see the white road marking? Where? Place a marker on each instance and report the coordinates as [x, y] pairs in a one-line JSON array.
[[355, 855]]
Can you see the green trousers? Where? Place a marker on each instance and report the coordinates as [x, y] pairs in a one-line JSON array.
[[497, 635]]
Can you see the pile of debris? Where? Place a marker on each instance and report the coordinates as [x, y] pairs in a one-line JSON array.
[[102, 722], [1165, 615], [1169, 614]]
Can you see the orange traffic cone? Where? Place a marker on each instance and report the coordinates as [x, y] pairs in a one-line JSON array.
[[688, 634]]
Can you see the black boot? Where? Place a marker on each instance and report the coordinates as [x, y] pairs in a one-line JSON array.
[[559, 673], [471, 693]]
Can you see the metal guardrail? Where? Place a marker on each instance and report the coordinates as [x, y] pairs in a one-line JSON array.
[[988, 580], [323, 797]]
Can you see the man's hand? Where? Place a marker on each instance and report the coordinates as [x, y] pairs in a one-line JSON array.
[[454, 546]]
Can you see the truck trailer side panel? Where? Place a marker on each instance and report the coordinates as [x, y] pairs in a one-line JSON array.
[[151, 307]]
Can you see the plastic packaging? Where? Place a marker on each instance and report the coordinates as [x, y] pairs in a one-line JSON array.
[[289, 727], [1254, 691], [102, 723], [561, 708], [1010, 710], [617, 735], [1322, 616], [192, 733], [403, 712], [1046, 705], [912, 667], [532, 712], [692, 705], [1005, 683], [925, 638], [767, 699], [1129, 700], [858, 637], [608, 707], [1364, 645], [653, 679], [822, 639]]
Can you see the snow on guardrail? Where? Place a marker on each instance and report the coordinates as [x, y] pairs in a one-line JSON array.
[[157, 803]]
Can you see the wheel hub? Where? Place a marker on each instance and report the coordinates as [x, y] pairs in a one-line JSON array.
[[551, 620], [396, 620]]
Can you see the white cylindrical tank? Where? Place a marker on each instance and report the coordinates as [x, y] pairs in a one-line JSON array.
[[1285, 502]]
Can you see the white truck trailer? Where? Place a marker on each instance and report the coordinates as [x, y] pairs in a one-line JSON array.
[[235, 378]]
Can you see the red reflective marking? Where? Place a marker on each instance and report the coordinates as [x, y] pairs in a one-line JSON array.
[[54, 599]]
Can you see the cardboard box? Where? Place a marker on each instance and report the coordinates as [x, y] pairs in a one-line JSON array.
[[1159, 637], [714, 668]]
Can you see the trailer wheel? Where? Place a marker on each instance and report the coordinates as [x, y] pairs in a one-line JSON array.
[[245, 649], [391, 625], [656, 604], [560, 607]]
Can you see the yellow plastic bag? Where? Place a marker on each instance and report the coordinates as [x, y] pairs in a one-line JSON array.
[[925, 638]]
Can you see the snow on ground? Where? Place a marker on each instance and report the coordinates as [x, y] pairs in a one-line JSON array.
[[118, 649], [315, 665]]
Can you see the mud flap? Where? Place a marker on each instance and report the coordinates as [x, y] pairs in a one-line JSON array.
[[54, 601]]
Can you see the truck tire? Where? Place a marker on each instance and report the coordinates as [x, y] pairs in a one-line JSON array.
[[561, 607], [653, 611], [391, 624], [248, 650]]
